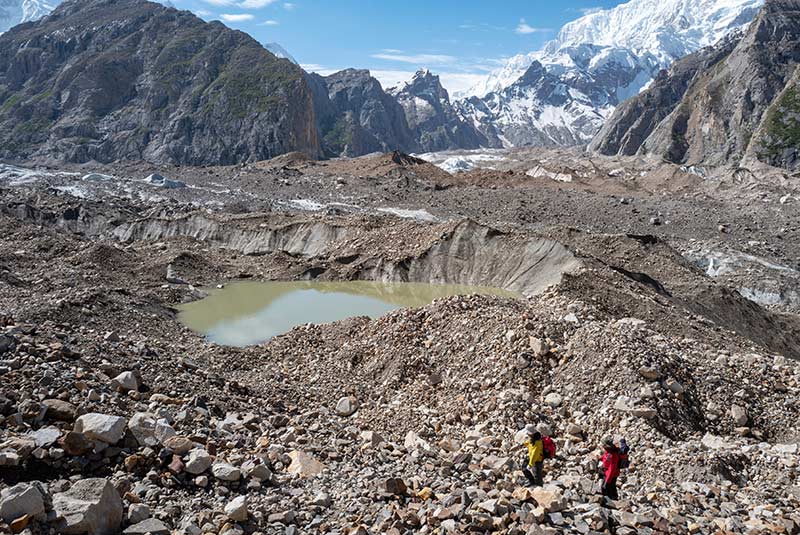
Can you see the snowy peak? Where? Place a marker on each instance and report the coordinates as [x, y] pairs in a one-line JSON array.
[[13, 12], [668, 29], [661, 30]]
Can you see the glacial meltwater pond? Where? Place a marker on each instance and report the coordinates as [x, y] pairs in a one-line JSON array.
[[247, 313]]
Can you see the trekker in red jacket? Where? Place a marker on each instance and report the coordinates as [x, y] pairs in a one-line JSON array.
[[610, 461]]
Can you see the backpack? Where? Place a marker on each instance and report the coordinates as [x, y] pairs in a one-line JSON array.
[[549, 447]]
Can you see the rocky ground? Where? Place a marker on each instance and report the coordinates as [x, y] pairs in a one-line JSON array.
[[114, 417]]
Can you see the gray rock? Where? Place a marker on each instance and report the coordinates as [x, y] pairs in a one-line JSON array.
[[739, 415], [143, 428], [347, 406], [226, 472], [554, 399], [138, 512], [198, 461], [90, 506], [45, 436], [236, 509], [59, 410], [21, 499], [127, 381], [102, 427], [151, 526]]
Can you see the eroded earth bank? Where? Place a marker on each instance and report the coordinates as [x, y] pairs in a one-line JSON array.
[[660, 304]]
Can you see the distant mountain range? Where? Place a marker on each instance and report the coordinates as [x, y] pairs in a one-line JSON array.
[[111, 98], [722, 105]]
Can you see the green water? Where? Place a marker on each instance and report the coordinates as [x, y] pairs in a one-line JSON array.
[[247, 313]]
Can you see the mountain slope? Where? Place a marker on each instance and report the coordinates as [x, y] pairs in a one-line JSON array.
[[144, 81], [743, 104], [356, 116], [562, 94], [432, 118]]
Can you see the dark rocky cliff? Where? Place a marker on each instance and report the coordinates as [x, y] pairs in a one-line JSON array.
[[110, 80]]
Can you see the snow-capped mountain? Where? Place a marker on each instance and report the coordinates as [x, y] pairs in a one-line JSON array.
[[281, 52], [13, 12], [562, 94]]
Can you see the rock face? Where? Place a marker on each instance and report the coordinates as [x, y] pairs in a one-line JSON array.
[[718, 106], [356, 116], [432, 118], [90, 506], [146, 82]]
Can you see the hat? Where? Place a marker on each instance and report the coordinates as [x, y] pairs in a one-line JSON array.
[[530, 429], [608, 442]]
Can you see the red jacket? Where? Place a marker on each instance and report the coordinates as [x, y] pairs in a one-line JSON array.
[[611, 464]]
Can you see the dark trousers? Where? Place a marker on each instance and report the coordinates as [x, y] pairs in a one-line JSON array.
[[534, 474], [610, 488]]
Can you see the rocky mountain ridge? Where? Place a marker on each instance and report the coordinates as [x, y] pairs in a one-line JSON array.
[[722, 106], [148, 82]]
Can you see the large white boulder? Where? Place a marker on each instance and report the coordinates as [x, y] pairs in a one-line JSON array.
[[102, 427], [91, 506]]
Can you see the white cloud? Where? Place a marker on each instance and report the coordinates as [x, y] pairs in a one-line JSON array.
[[236, 17], [220, 2], [202, 13], [417, 59], [269, 23], [255, 4], [289, 6], [317, 68], [524, 28]]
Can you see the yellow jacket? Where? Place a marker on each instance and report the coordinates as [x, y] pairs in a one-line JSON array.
[[535, 451]]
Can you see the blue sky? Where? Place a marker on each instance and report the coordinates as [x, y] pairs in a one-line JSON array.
[[460, 40]]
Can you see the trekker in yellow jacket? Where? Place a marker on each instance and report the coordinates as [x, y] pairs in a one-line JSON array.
[[535, 459]]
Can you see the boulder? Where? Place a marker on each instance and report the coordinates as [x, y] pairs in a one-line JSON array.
[[21, 499], [59, 410], [226, 472], [143, 428], [90, 506], [45, 436], [76, 443], [347, 406], [126, 381], [151, 526], [102, 427], [236, 509], [198, 462], [304, 465], [553, 399], [539, 346], [549, 499], [179, 445], [739, 415], [138, 512]]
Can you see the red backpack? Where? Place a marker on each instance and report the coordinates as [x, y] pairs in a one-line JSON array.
[[549, 447]]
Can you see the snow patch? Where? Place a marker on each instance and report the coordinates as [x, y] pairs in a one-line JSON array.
[[417, 215]]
